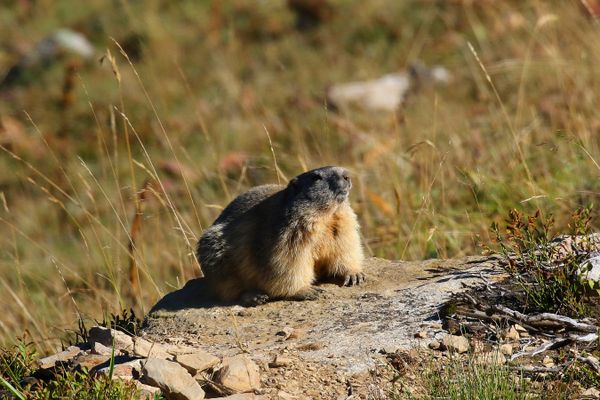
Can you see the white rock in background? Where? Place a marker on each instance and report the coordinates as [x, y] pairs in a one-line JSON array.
[[57, 43], [386, 93], [60, 43]]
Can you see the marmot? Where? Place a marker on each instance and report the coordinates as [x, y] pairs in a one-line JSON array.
[[274, 241]]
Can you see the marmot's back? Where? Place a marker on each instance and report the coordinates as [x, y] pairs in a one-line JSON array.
[[246, 201]]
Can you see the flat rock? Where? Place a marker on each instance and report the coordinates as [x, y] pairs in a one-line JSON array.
[[345, 328], [109, 337], [239, 374], [126, 370], [66, 355], [148, 349], [173, 380], [197, 362], [89, 361]]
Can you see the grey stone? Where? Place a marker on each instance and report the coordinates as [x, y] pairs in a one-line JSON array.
[[506, 349], [99, 348], [148, 349], [457, 344], [197, 362], [512, 334], [239, 373], [173, 380], [435, 345]]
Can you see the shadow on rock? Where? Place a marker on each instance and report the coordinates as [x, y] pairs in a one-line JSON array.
[[195, 294]]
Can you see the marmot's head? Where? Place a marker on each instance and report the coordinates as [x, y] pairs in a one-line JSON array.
[[322, 188]]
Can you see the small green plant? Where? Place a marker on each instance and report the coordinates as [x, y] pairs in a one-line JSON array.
[[17, 365], [126, 322], [82, 385], [547, 273]]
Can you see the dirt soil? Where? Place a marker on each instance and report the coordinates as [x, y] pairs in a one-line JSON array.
[[332, 347]]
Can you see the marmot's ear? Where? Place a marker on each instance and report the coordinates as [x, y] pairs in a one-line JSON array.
[[294, 184]]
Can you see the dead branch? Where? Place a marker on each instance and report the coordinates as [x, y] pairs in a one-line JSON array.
[[591, 362], [550, 345], [538, 370], [547, 320]]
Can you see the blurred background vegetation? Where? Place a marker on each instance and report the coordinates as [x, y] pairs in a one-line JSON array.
[[112, 164]]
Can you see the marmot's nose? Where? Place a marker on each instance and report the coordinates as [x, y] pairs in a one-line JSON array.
[[344, 183]]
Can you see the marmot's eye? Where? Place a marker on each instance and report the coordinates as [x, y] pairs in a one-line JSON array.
[[346, 177]]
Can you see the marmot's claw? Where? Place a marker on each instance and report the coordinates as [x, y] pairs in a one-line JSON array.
[[255, 299], [354, 279]]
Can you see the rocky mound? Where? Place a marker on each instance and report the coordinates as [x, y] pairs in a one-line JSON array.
[[334, 347]]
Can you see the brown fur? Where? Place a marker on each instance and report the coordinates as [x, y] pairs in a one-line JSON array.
[[277, 241]]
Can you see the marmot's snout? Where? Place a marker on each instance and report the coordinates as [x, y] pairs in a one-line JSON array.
[[323, 187], [340, 185]]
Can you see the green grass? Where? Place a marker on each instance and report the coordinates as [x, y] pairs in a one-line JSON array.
[[209, 84], [470, 380], [461, 378], [18, 362]]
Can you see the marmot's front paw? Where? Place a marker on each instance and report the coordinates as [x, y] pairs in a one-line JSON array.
[[253, 299], [312, 293], [354, 279]]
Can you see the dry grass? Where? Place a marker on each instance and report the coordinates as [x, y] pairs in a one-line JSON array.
[[517, 128]]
